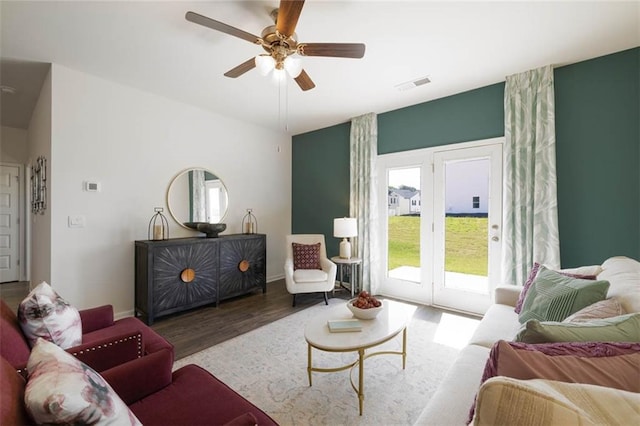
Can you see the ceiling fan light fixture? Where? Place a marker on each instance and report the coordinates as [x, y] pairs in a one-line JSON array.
[[265, 64], [293, 66], [279, 76]]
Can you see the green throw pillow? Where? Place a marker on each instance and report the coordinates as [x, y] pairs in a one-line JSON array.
[[554, 296], [623, 328]]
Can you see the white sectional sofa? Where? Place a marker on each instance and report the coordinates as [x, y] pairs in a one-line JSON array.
[[455, 396]]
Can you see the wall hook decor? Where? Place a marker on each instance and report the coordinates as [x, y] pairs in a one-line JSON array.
[[39, 186]]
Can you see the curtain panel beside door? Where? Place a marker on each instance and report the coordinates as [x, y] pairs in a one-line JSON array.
[[530, 206]]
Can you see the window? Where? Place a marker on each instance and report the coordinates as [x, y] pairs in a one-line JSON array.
[[476, 202]]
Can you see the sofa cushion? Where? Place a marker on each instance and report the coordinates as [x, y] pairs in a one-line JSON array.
[[12, 386], [585, 272], [623, 274], [554, 296], [63, 390], [606, 308], [623, 328], [508, 401], [500, 322], [43, 313], [306, 256]]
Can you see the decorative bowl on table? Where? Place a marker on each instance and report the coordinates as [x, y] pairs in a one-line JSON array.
[[364, 313], [210, 229]]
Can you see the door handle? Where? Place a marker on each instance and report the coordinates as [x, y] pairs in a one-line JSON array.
[[495, 238]]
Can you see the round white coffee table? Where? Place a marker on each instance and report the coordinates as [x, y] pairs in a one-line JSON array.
[[388, 324]]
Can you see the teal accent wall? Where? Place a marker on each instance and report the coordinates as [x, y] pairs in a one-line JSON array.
[[598, 158], [474, 115], [598, 155], [320, 182]]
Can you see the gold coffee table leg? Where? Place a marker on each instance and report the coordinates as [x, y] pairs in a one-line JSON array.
[[404, 347], [361, 379], [309, 362]]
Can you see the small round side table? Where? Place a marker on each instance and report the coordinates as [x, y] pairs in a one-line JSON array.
[[354, 262]]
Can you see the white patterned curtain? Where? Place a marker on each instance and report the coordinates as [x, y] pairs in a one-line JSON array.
[[530, 207], [198, 198], [363, 201]]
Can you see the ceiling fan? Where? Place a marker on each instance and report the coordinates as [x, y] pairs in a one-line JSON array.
[[281, 44]]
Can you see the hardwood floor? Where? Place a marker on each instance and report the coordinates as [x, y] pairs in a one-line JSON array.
[[201, 328]]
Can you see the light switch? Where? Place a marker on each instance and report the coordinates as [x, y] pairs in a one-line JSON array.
[[76, 221]]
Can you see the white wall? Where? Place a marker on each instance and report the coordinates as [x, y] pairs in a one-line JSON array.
[[134, 143], [13, 145], [39, 142]]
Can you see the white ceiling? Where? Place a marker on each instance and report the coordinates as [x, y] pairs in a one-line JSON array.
[[459, 45]]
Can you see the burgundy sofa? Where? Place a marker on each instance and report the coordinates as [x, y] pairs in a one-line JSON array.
[[188, 396], [105, 342]]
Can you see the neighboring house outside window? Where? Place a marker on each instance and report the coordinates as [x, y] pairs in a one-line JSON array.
[[476, 202]]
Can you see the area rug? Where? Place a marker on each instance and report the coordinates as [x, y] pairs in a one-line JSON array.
[[268, 367]]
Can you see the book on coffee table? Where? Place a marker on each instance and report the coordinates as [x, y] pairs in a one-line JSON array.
[[343, 325]]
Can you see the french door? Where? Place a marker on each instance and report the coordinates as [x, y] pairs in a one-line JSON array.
[[441, 224]]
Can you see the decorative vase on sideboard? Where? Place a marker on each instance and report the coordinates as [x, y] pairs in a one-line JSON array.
[[184, 273]]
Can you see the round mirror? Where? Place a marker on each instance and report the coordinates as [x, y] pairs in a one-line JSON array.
[[197, 195]]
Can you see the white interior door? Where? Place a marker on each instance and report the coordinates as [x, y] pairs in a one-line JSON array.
[[9, 222], [467, 211]]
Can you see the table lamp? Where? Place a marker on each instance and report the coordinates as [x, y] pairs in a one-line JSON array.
[[344, 228]]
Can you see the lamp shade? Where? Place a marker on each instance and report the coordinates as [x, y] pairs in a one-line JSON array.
[[345, 227]]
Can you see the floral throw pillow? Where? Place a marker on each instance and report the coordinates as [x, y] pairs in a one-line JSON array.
[[306, 256], [43, 313], [63, 390]]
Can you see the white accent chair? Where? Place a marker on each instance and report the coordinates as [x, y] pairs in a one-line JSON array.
[[309, 280]]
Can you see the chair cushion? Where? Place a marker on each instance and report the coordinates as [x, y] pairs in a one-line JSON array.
[[43, 313], [11, 396], [63, 390], [196, 397], [554, 296], [14, 347], [306, 256], [309, 275]]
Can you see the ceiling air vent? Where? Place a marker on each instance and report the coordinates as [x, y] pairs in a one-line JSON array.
[[412, 84]]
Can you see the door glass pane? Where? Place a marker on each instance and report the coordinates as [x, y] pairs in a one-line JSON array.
[[403, 240], [466, 225]]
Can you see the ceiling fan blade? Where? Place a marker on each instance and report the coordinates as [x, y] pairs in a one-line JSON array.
[[304, 81], [288, 14], [241, 69], [337, 50], [221, 26]]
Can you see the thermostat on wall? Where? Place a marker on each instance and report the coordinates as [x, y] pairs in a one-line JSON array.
[[92, 186]]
